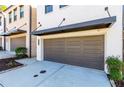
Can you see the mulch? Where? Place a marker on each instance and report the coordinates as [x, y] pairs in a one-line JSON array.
[[118, 84], [8, 63]]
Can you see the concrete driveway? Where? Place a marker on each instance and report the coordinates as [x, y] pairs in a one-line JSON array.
[[57, 75]]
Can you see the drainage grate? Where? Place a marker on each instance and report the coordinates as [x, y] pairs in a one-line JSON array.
[[43, 71], [35, 76]]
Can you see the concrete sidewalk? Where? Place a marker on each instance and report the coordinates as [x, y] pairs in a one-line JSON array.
[[6, 54]]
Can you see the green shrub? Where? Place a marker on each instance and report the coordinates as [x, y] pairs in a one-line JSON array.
[[11, 64], [115, 75], [114, 68], [21, 52], [123, 70], [1, 48]]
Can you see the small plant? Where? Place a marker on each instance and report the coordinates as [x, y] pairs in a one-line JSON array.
[[115, 69], [1, 48], [11, 64], [21, 52], [114, 63]]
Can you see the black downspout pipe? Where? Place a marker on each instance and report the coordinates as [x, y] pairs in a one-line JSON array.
[[4, 32], [30, 29]]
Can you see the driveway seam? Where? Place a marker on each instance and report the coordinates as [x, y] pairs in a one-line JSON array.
[[2, 85], [50, 76]]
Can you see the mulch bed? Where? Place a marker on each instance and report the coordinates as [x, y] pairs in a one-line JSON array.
[[8, 63], [119, 83]]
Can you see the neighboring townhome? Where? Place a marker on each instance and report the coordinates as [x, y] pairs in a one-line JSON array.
[[1, 31], [20, 22], [79, 35]]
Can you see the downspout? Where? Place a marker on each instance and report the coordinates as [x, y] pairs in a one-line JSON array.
[[30, 29]]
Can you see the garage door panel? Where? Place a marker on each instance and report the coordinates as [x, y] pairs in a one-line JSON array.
[[81, 51], [17, 42]]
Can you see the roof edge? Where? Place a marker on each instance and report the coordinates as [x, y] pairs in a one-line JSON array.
[[8, 8], [83, 25]]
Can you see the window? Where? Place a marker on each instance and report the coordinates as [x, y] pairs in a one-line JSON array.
[[0, 21], [10, 17], [48, 8], [61, 6], [15, 14], [21, 11]]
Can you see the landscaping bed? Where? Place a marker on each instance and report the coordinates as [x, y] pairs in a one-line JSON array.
[[116, 83], [8, 63], [116, 71], [121, 84]]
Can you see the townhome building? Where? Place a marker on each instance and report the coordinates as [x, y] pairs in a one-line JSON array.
[[79, 35], [20, 22]]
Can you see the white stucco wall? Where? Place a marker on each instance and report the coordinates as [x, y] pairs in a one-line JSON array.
[[114, 35], [72, 14], [8, 48], [1, 30], [76, 14], [1, 27]]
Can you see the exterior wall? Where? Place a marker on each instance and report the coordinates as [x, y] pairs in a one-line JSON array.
[[2, 26], [93, 32], [76, 14], [114, 34], [1, 30], [20, 22], [34, 45], [34, 25], [8, 44], [79, 14], [34, 18]]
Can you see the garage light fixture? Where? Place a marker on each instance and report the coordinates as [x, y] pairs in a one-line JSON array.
[[107, 10], [61, 22], [38, 26]]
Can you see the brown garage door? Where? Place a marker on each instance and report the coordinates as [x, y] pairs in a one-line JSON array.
[[18, 42], [81, 51]]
